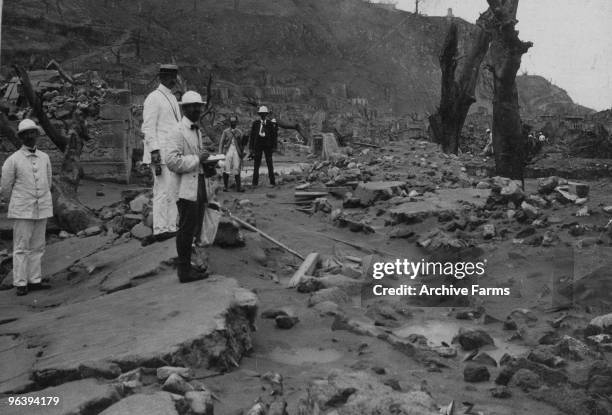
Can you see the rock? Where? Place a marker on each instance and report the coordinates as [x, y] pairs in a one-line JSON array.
[[140, 231], [138, 204], [286, 322], [162, 309], [401, 231], [483, 185], [547, 185], [129, 220], [327, 308], [176, 384], [583, 211], [278, 407], [350, 285], [574, 349], [413, 194], [370, 192], [485, 359], [200, 402], [471, 339], [488, 231], [165, 371], [546, 357], [92, 230], [530, 210], [601, 324], [362, 393], [275, 312], [99, 369], [525, 232], [563, 195], [581, 201], [476, 373], [538, 201], [534, 240], [549, 239], [228, 234], [309, 285], [579, 189], [78, 397], [159, 403], [501, 392], [512, 192], [526, 380], [334, 294], [64, 235]]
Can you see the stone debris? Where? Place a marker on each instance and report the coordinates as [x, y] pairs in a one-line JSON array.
[[471, 339], [476, 373]]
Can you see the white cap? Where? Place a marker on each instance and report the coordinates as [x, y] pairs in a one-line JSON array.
[[488, 130], [263, 109], [27, 124], [191, 97]]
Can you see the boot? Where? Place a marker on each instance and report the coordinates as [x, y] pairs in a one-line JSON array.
[[225, 182], [238, 183]]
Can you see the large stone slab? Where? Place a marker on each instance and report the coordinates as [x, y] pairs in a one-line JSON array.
[[159, 403], [145, 262], [445, 200], [370, 192], [61, 255], [86, 396], [161, 322]]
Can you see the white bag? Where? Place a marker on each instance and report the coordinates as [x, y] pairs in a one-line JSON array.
[[210, 224]]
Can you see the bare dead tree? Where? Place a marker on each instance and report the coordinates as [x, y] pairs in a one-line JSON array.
[[506, 51], [70, 213], [458, 87]]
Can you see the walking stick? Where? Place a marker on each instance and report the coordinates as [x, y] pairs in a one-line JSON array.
[[265, 235]]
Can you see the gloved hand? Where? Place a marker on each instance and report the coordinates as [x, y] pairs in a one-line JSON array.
[[156, 162]]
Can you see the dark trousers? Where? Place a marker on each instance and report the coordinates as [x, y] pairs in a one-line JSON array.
[[191, 215], [267, 151]]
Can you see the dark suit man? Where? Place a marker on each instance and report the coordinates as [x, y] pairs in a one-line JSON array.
[[263, 141]]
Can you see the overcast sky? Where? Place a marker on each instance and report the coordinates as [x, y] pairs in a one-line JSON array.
[[572, 41]]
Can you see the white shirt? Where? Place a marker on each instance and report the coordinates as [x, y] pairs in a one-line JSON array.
[[160, 115], [26, 181]]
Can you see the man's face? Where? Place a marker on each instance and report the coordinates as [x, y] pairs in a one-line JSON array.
[[192, 112], [29, 137], [263, 115], [233, 122], [168, 79]]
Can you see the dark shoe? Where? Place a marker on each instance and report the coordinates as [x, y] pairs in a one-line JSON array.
[[193, 276], [22, 290], [148, 240], [38, 286], [164, 236]]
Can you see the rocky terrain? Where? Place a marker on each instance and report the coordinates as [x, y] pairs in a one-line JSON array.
[[118, 334]]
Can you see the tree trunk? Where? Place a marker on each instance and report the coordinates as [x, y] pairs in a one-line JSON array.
[[509, 142], [457, 92], [70, 214]]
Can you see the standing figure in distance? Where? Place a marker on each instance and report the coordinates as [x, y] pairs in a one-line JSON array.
[[232, 145], [263, 141]]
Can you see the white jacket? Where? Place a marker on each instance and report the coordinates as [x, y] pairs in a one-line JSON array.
[[160, 115], [26, 181], [183, 158]]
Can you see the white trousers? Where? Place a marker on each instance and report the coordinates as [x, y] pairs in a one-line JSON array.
[[28, 250], [231, 164], [165, 196]]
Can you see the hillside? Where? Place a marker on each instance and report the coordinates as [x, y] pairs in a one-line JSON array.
[[303, 55]]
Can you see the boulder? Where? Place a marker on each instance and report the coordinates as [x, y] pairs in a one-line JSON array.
[[356, 393], [476, 373], [164, 372], [286, 322], [176, 384], [526, 380], [228, 234], [547, 185], [601, 324], [327, 308], [138, 204], [488, 231], [334, 294], [140, 231], [200, 402], [370, 192], [99, 369], [471, 339]]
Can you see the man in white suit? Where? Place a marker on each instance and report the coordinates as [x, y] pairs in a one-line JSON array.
[[187, 157], [161, 114]]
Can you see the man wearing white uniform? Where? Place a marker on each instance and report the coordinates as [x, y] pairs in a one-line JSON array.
[[161, 114], [26, 183], [232, 145]]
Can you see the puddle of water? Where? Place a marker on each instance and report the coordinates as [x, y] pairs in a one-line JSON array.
[[304, 355], [437, 332]]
